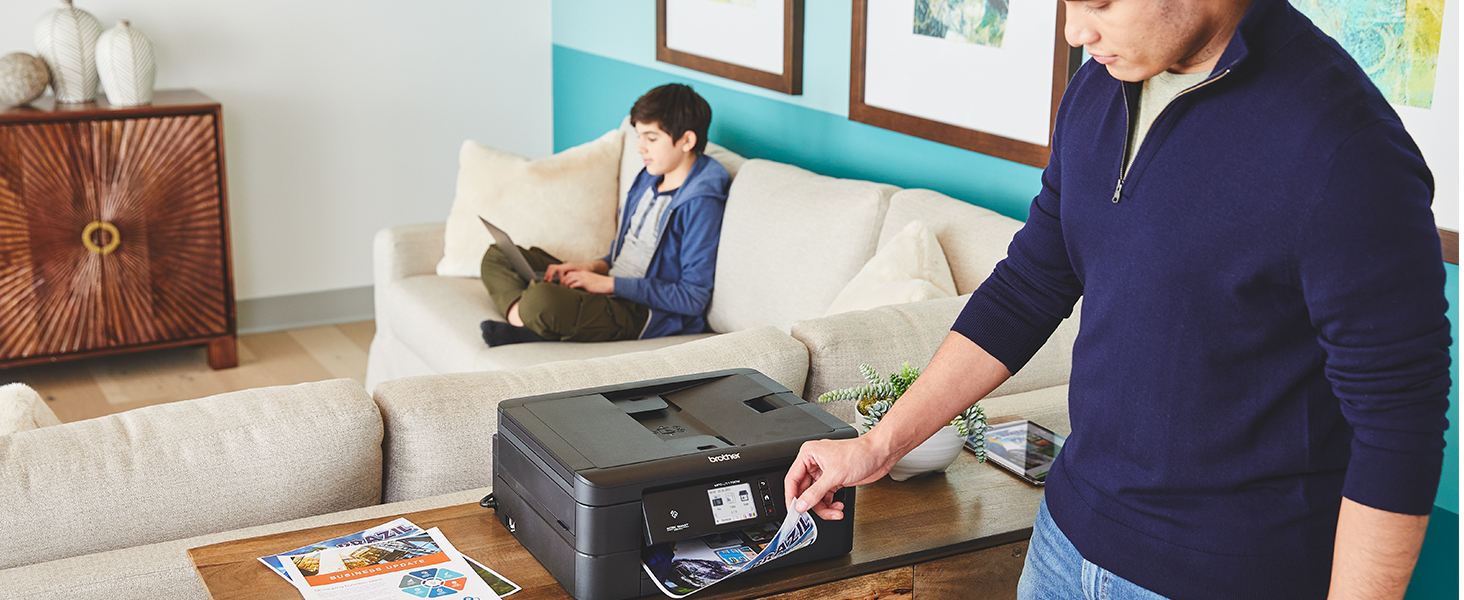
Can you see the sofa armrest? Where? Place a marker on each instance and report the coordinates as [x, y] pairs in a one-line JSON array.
[[887, 336], [398, 253], [407, 250], [439, 428], [183, 469]]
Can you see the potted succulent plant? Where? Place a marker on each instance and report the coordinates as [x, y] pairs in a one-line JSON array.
[[875, 398]]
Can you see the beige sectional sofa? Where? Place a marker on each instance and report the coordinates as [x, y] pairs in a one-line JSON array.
[[791, 241], [108, 507]]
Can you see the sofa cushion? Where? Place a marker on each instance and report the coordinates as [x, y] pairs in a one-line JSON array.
[[22, 409], [163, 570], [563, 203], [974, 239], [791, 240], [631, 164], [189, 468], [440, 427], [887, 336], [438, 319], [909, 267]]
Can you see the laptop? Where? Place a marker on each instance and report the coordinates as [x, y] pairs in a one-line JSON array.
[[511, 250]]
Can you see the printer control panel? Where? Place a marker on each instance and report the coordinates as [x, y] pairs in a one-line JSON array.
[[710, 507]]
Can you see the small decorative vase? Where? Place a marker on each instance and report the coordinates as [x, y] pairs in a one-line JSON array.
[[127, 65], [22, 78], [67, 39], [931, 456]]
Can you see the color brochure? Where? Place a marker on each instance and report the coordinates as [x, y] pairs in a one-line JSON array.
[[396, 561], [684, 567]]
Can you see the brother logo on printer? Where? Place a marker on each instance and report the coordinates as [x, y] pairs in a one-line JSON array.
[[722, 457]]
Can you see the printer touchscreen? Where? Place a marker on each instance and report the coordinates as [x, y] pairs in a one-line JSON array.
[[732, 503]]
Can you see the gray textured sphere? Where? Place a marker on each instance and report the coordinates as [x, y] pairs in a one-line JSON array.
[[22, 78]]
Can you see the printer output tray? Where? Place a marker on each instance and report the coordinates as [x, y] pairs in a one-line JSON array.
[[619, 576]]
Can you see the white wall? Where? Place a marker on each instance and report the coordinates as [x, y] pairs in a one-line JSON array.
[[340, 118]]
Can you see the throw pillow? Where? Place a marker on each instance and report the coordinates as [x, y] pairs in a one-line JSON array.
[[22, 409], [910, 267], [563, 203]]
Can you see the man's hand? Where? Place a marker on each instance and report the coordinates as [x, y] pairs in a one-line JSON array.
[[558, 271], [824, 466], [588, 281], [960, 374]]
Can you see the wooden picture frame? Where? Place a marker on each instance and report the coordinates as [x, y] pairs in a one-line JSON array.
[[1065, 61], [789, 81]]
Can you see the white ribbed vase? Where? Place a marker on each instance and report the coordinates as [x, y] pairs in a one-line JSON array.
[[66, 38], [127, 65]]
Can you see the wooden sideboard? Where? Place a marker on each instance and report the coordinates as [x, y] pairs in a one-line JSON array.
[[114, 230]]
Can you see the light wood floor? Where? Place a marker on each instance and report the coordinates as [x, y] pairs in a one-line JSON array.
[[83, 389]]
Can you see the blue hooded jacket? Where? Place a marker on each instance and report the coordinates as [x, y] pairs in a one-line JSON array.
[[678, 282]]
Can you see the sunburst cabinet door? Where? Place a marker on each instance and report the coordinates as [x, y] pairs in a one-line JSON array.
[[109, 235]]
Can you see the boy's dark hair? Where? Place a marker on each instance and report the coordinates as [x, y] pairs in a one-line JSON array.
[[677, 109]]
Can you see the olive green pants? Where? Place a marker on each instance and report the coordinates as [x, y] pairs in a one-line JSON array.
[[556, 312]]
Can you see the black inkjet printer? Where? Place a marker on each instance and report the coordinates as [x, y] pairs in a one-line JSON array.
[[586, 479]]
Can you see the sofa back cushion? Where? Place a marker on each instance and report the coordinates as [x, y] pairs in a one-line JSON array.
[[974, 239], [888, 336], [190, 468], [439, 428], [791, 240]]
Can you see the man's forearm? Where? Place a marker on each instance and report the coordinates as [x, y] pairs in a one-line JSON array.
[[960, 374], [1375, 552]]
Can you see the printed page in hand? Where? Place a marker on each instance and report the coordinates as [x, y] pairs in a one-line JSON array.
[[684, 567]]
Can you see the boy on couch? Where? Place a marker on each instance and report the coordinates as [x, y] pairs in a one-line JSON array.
[[657, 279]]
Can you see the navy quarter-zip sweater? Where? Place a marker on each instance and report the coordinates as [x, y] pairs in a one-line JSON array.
[[1263, 324]]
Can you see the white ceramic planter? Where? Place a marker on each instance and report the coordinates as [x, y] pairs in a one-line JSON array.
[[66, 38], [127, 65], [932, 455]]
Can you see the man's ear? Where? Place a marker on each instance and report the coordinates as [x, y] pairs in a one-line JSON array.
[[687, 141]]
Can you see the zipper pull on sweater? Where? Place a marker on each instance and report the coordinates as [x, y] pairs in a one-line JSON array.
[[1118, 190]]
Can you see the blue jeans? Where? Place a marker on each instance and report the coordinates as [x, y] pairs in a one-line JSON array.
[[1056, 571]]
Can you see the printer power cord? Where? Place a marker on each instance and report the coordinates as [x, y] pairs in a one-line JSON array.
[[489, 502]]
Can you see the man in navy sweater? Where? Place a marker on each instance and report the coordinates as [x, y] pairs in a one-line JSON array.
[[1260, 380]]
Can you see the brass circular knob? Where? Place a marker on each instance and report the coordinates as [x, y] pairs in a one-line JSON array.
[[109, 243]]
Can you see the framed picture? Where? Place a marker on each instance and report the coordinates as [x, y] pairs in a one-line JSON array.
[[984, 75], [1406, 49], [758, 42]]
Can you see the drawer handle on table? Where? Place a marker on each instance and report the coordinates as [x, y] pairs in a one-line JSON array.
[[114, 237]]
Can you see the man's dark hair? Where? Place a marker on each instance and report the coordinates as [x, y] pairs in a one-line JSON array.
[[676, 109]]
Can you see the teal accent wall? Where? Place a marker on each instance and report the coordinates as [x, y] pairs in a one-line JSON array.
[[604, 58], [1448, 497], [1437, 573], [626, 31], [593, 93]]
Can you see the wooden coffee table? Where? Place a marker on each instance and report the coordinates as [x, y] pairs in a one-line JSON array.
[[957, 535]]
